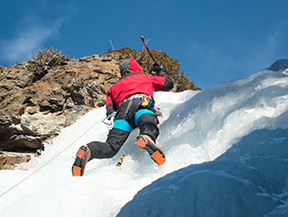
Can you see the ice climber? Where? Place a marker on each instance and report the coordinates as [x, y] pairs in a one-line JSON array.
[[130, 102]]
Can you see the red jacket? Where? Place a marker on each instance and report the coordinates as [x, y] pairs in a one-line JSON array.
[[133, 81]]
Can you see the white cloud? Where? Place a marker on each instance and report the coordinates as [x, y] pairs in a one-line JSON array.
[[19, 48], [29, 40]]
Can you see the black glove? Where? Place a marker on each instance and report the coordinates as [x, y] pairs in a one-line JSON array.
[[157, 67]]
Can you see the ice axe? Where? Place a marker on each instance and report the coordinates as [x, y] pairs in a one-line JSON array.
[[142, 38]]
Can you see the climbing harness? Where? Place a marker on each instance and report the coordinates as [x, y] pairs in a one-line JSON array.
[[146, 102]]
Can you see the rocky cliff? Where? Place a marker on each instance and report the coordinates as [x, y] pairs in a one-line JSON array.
[[33, 110]]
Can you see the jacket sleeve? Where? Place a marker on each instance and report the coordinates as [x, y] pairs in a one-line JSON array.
[[110, 105], [168, 83]]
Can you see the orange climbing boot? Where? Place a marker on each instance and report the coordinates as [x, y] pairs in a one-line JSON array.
[[82, 157], [144, 141]]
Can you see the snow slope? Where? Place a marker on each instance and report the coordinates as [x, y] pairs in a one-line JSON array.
[[204, 179], [250, 179]]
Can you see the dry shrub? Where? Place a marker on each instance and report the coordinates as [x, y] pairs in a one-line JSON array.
[[44, 60]]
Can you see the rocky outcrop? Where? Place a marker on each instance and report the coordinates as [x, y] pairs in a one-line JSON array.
[[33, 110], [279, 65], [10, 160]]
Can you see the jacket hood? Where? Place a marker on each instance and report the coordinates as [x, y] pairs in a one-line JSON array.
[[129, 66]]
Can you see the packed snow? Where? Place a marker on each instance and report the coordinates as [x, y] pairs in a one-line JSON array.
[[226, 149]]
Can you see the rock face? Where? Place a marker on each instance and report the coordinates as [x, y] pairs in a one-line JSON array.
[[278, 65], [34, 110]]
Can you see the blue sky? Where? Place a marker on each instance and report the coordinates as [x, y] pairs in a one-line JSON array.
[[214, 41]]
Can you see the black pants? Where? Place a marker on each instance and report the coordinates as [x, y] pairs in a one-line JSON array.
[[147, 124]]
